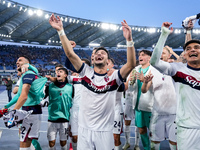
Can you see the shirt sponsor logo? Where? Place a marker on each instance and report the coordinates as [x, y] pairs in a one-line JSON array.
[[28, 78], [192, 81], [110, 86], [96, 89], [187, 79]]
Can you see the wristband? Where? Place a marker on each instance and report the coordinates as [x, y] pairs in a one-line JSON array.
[[61, 32], [187, 31], [129, 43]]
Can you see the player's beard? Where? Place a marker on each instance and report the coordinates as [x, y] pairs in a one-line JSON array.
[[100, 65]]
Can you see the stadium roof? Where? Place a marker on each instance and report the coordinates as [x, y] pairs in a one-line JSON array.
[[24, 23]]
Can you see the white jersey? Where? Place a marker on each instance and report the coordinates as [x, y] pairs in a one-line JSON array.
[[165, 101], [76, 81], [96, 110], [187, 81]]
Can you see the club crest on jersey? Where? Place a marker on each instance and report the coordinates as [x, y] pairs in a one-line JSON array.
[[106, 78]]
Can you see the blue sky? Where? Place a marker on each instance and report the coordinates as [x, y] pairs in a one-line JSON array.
[[136, 12]]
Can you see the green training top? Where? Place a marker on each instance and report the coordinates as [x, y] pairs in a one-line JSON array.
[[60, 102], [15, 98]]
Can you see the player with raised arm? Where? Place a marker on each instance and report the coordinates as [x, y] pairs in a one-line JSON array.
[[162, 124], [96, 113], [187, 80]]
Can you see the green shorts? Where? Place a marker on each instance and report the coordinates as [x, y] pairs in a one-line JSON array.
[[142, 118]]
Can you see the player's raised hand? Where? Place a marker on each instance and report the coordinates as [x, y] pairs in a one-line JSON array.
[[73, 44], [167, 25], [148, 77], [24, 68], [140, 76], [126, 31], [190, 25], [56, 23]]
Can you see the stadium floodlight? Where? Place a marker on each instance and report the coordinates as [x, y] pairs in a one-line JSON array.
[[74, 20], [113, 27], [95, 24], [4, 2], [145, 30], [53, 41], [25, 9], [77, 21], [177, 31], [133, 28], [65, 19], [196, 31], [99, 25], [61, 18], [151, 30], [49, 41], [158, 30], [56, 41], [138, 29], [70, 20], [39, 12], [14, 5], [94, 44], [20, 8], [105, 26], [30, 12], [119, 45], [120, 28], [9, 4], [47, 16]]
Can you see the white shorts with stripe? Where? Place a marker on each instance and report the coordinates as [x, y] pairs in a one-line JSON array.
[[30, 127], [95, 140], [129, 113], [163, 127], [54, 128], [118, 121]]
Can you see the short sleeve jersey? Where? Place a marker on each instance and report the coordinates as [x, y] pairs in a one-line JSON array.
[[96, 111], [187, 81]]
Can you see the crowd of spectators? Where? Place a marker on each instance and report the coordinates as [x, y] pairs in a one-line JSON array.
[[45, 58]]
